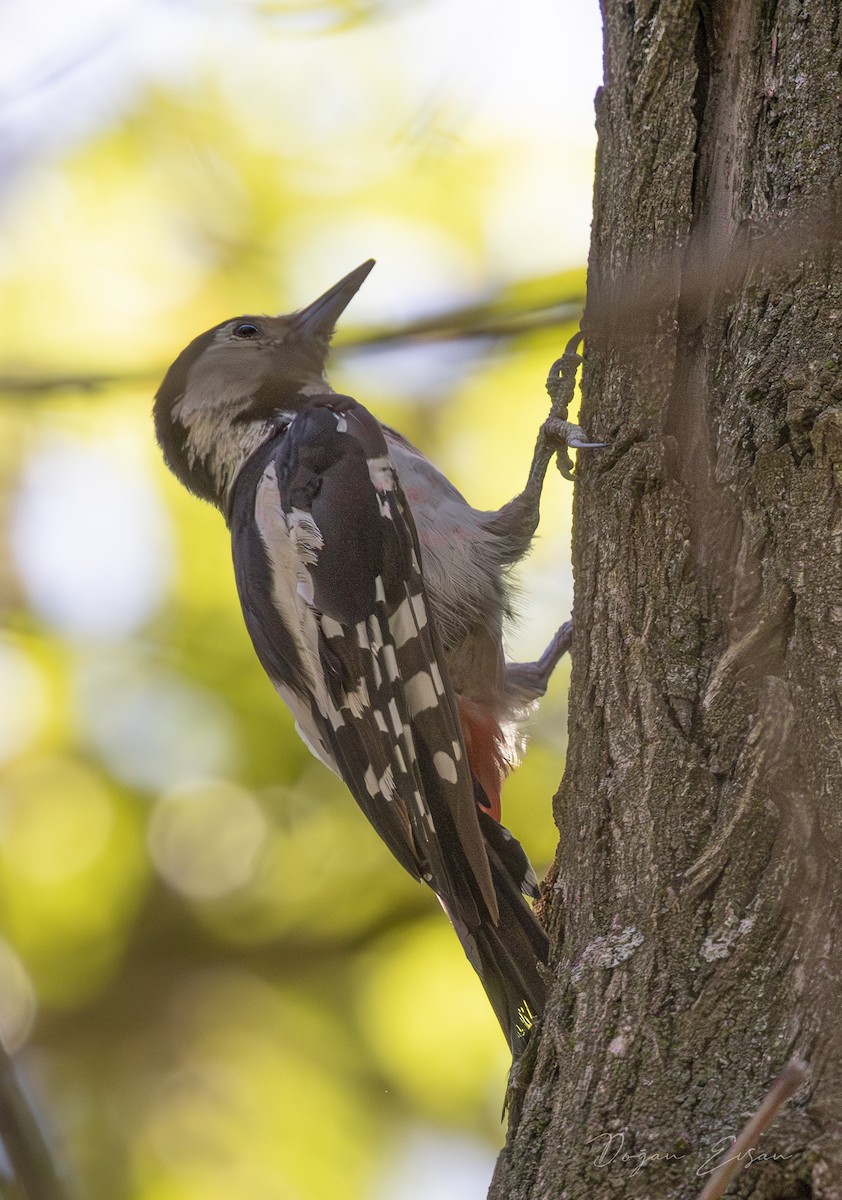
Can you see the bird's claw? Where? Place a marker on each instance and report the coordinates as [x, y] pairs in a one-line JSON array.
[[566, 433], [575, 444]]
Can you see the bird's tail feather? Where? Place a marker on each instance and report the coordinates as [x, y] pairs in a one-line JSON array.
[[507, 955]]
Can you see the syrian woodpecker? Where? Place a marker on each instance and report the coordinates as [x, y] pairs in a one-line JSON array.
[[375, 597]]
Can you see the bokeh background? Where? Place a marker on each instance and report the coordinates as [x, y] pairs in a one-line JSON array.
[[216, 981]]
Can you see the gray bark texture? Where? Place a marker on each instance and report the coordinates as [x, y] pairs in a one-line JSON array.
[[694, 906]]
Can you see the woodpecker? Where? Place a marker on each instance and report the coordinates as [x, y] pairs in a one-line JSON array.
[[375, 597]]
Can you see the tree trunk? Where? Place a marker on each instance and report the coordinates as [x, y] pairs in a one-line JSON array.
[[695, 900]]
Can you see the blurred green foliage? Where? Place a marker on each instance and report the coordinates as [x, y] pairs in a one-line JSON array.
[[219, 983]]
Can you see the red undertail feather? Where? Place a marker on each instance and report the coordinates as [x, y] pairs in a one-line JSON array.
[[484, 743]]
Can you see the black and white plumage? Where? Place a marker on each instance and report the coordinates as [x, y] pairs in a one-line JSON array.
[[374, 596]]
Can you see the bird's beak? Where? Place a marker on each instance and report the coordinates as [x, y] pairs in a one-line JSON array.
[[320, 317]]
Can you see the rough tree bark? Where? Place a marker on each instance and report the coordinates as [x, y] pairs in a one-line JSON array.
[[695, 901]]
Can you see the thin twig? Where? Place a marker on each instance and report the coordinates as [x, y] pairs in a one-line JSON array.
[[794, 1074], [643, 290], [23, 1138], [467, 323]]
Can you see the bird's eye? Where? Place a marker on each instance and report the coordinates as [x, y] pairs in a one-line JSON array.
[[246, 330]]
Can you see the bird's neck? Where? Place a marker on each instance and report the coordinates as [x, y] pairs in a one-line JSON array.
[[221, 438]]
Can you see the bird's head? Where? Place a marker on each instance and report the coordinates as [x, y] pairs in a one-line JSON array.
[[235, 385]]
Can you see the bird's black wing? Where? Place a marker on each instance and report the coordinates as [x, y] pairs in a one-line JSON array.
[[328, 568]]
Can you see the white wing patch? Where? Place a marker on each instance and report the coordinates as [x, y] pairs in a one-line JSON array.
[[357, 701], [305, 533], [402, 624], [437, 679], [288, 571], [418, 610], [391, 662], [420, 693], [381, 473], [445, 766], [305, 725]]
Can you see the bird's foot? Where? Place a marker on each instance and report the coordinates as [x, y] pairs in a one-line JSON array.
[[557, 431], [530, 680]]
